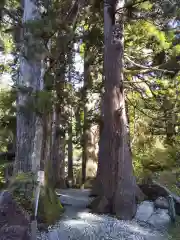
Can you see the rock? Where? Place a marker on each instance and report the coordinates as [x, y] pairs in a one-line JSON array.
[[154, 190], [5, 197], [100, 205], [14, 232], [14, 221], [160, 219], [144, 211], [10, 212], [42, 227], [161, 202], [140, 197]]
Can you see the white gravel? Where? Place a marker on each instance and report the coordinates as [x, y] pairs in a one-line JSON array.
[[79, 224]]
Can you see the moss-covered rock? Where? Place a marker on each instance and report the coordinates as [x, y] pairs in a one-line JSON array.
[[50, 208], [23, 187]]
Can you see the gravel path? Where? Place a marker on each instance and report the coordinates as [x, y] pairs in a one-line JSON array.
[[78, 224]]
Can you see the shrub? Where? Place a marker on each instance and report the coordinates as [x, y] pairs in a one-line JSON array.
[[169, 178]]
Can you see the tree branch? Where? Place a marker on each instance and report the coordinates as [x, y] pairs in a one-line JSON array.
[[147, 115], [144, 69]]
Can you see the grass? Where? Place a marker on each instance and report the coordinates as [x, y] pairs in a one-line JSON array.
[[169, 179], [3, 165], [174, 230]]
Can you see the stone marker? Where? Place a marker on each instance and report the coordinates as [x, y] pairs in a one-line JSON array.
[[14, 221]]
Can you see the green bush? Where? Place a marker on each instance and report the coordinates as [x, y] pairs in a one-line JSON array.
[[3, 165], [154, 157], [169, 179]]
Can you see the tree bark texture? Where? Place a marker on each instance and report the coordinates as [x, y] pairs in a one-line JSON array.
[[29, 127], [47, 149], [38, 138], [115, 171], [70, 129], [52, 166], [57, 149], [84, 147], [59, 153], [85, 120], [170, 117], [61, 161], [44, 152], [70, 152], [88, 146]]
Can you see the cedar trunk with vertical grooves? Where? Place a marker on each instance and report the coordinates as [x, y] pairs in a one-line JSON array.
[[85, 109], [115, 171], [84, 146], [29, 125], [70, 151], [70, 129], [59, 148]]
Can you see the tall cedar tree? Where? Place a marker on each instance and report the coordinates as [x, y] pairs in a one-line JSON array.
[[115, 171]]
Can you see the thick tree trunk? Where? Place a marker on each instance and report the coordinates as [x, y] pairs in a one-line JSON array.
[[170, 121], [70, 129], [61, 161], [29, 127], [58, 126], [96, 188], [52, 165], [115, 171], [84, 147], [70, 152], [47, 149], [44, 143], [85, 110], [59, 152], [88, 154], [38, 139], [53, 151]]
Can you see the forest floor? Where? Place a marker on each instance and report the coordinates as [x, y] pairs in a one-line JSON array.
[[78, 223]]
